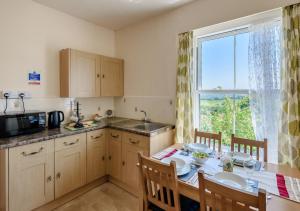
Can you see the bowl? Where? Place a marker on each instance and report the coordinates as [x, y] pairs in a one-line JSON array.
[[200, 157]]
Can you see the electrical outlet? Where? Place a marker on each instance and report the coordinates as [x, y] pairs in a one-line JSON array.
[[14, 94], [27, 95], [11, 94]]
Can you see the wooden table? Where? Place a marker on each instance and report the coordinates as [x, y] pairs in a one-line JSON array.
[[273, 204]]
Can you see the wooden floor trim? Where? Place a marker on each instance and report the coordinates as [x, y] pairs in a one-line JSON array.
[[72, 195]]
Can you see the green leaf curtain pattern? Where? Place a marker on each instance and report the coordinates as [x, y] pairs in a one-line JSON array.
[[184, 101], [289, 135]]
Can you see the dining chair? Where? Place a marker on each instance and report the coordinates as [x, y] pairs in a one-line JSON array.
[[251, 145], [214, 196], [214, 139], [159, 184]]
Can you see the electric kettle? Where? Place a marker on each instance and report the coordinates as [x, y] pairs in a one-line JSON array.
[[55, 118]]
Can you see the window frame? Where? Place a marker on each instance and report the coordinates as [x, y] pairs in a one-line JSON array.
[[198, 91], [219, 29]]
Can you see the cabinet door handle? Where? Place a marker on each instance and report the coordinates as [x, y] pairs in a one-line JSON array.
[[103, 157], [96, 137], [114, 136], [71, 143], [49, 179], [109, 157], [98, 76], [133, 141], [103, 76], [123, 163], [58, 175], [32, 153]]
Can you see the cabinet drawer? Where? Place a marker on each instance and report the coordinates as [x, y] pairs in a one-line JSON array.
[[31, 150], [136, 140], [115, 135], [69, 141], [96, 136]]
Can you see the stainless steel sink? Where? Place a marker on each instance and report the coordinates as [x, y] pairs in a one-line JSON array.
[[149, 126]]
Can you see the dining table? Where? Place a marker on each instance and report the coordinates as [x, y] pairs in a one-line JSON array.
[[273, 203]]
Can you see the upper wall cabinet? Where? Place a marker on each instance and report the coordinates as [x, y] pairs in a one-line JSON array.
[[90, 75], [112, 77]]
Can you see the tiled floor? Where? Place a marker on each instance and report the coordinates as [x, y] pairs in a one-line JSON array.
[[106, 197]]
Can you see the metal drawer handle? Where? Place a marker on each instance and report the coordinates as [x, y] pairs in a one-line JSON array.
[[133, 141], [96, 137], [32, 153], [114, 136], [71, 143]]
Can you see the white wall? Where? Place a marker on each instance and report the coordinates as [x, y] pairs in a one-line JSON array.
[[31, 36], [149, 50]]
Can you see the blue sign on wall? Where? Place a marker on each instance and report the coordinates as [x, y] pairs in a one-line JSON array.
[[34, 78]]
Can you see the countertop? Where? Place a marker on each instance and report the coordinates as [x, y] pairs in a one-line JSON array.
[[114, 123]]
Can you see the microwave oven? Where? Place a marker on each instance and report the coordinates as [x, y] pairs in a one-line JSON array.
[[13, 124]]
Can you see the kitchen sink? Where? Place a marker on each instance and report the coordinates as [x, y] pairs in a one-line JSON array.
[[149, 126]]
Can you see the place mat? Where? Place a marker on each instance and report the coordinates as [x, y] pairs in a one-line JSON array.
[[165, 153], [280, 185], [276, 184], [188, 176]]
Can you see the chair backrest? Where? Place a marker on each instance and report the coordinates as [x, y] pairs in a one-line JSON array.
[[249, 146], [219, 197], [159, 184], [210, 139]]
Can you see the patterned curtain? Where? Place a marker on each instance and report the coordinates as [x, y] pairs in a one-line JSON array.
[[289, 140], [184, 101]]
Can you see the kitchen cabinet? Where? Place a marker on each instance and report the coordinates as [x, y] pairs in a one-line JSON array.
[[85, 74], [31, 176], [114, 153], [112, 76], [70, 163], [79, 74], [96, 155], [131, 145]]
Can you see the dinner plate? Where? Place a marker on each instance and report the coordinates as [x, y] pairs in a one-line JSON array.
[[180, 163], [186, 169], [182, 167], [231, 179], [196, 147]]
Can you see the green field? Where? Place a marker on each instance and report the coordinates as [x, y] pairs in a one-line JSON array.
[[227, 114]]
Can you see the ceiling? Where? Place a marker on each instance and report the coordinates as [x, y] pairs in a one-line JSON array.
[[114, 14]]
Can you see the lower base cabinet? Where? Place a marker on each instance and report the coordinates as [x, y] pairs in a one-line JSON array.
[[70, 163], [131, 145], [96, 155], [31, 176], [114, 140], [41, 172]]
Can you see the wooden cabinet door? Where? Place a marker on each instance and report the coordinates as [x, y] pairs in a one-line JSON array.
[[96, 157], [114, 153], [112, 77], [70, 163], [31, 176], [84, 74], [131, 145]]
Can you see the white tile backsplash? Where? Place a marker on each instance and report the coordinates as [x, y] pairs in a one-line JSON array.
[[158, 108], [89, 106]]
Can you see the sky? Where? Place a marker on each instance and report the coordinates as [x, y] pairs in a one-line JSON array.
[[218, 62]]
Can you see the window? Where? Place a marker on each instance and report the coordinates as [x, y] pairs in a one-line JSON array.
[[222, 85]]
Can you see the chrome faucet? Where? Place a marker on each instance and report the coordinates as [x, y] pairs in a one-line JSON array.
[[145, 116]]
